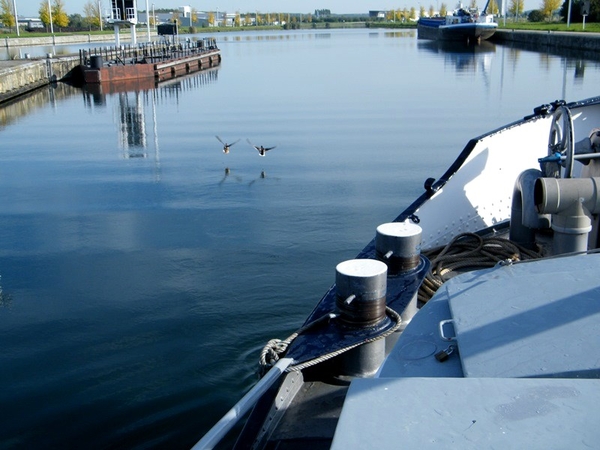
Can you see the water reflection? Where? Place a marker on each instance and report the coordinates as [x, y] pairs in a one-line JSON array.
[[228, 176], [11, 112], [132, 125], [135, 97], [464, 57], [579, 70], [576, 54], [400, 34], [237, 37], [262, 176]]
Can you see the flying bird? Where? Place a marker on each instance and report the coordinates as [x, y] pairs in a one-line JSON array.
[[261, 150], [226, 146]]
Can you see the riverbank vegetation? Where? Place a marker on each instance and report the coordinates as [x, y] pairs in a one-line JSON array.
[[584, 16], [508, 24]]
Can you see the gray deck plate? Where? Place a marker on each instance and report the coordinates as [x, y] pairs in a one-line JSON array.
[[529, 320], [469, 413]]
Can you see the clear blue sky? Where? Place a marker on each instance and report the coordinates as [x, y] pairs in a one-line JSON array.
[[31, 7]]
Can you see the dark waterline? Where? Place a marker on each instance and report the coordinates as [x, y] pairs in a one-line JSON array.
[[142, 269]]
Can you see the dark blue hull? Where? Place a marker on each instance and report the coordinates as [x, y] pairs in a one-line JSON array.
[[436, 29]]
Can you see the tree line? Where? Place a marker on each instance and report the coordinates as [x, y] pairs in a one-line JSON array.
[[55, 14]]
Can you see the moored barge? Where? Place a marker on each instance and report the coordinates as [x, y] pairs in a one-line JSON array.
[[158, 61]]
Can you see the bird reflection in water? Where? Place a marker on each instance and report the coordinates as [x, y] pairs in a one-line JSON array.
[[227, 174], [262, 176]]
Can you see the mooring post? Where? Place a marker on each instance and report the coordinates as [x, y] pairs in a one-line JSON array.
[[361, 287]]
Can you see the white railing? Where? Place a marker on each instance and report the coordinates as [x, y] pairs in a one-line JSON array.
[[220, 429]]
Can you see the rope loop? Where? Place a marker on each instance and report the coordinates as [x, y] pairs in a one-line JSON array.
[[276, 348], [469, 251]]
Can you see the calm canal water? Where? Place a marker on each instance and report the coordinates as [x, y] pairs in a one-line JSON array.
[[142, 269]]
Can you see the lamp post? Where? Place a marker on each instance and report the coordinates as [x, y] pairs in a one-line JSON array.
[[16, 16], [50, 13], [100, 13], [148, 21]]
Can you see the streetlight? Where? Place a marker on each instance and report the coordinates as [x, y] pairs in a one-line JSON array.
[[50, 13], [16, 16], [148, 21], [100, 13]]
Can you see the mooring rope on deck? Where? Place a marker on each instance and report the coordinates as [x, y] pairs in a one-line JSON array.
[[468, 250]]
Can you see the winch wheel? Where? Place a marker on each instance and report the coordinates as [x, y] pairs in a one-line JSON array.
[[562, 140]]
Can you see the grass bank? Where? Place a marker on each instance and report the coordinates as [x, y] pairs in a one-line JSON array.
[[550, 26], [510, 25]]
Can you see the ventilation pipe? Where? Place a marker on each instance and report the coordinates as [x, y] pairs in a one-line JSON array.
[[361, 287], [571, 201], [524, 218]]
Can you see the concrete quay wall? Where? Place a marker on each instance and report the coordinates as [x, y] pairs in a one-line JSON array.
[[59, 40], [587, 42], [23, 76]]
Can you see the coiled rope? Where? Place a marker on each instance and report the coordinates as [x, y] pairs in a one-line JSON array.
[[469, 250], [276, 348]]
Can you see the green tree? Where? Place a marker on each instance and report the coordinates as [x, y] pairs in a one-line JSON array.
[[92, 13], [493, 7], [576, 6], [516, 7], [548, 7], [443, 10], [44, 12], [78, 22], [421, 11], [59, 15], [6, 14], [535, 16], [431, 11]]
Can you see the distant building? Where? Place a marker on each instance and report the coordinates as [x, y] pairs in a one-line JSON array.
[[201, 19], [185, 16], [31, 24], [377, 14]]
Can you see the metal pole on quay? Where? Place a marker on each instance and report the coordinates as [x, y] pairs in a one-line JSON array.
[[16, 16]]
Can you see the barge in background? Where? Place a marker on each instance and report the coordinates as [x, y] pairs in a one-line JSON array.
[[463, 25], [158, 61]]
